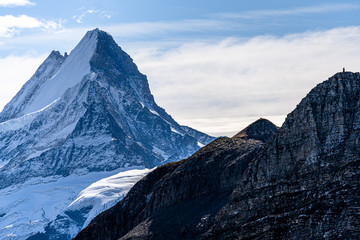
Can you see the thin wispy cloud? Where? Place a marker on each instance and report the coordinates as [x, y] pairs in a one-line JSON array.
[[289, 12], [221, 87], [11, 25], [80, 18], [15, 3], [140, 29]]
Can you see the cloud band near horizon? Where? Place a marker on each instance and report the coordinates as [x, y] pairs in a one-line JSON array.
[[220, 87]]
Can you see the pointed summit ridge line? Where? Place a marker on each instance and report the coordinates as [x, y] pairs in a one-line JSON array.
[[53, 78], [262, 129], [75, 67], [15, 108]]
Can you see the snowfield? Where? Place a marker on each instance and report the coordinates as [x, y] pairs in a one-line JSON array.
[[71, 72], [27, 208]]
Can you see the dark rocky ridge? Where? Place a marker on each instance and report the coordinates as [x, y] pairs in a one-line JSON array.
[[177, 199], [262, 129], [305, 184], [178, 196], [302, 184]]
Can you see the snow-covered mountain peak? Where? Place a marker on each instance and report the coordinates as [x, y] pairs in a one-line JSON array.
[[94, 95], [75, 67], [87, 44], [90, 111], [55, 75]]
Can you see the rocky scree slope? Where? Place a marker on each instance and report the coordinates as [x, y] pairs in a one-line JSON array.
[[179, 200], [302, 184]]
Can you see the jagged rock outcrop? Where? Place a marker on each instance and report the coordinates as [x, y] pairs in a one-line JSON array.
[[302, 184], [262, 130]]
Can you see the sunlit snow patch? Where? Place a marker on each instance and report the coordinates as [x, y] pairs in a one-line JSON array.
[[42, 199]]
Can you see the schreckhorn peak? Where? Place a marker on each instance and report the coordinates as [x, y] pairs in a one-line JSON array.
[[90, 112]]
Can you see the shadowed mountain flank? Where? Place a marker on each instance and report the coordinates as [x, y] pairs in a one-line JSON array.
[[301, 184], [261, 129], [182, 197]]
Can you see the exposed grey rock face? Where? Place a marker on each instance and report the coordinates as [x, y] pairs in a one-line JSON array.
[[302, 184]]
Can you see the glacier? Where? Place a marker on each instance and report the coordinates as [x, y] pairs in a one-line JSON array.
[[26, 208]]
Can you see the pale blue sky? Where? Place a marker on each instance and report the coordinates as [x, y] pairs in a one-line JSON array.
[[213, 65], [168, 21]]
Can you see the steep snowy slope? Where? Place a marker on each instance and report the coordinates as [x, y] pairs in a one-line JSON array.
[[27, 208], [45, 72], [91, 111]]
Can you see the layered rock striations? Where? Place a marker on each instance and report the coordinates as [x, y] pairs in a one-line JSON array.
[[301, 184]]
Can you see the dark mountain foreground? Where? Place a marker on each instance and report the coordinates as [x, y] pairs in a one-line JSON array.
[[303, 183]]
